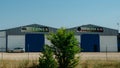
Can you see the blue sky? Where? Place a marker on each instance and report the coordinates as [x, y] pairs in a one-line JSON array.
[[59, 13]]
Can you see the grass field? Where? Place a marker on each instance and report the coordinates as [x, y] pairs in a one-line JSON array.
[[99, 64], [82, 64], [17, 63], [87, 60]]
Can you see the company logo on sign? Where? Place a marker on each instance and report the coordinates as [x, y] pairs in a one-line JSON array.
[[89, 29], [34, 29]]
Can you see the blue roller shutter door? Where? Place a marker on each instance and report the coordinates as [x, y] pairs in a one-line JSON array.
[[34, 42], [118, 44], [90, 43]]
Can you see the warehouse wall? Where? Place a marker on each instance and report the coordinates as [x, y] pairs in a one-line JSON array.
[[47, 41], [16, 41], [78, 37], [92, 41], [109, 42], [3, 41]]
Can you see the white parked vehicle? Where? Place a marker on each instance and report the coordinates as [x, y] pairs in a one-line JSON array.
[[17, 49]]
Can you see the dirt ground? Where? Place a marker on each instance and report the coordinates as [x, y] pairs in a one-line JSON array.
[[83, 55]]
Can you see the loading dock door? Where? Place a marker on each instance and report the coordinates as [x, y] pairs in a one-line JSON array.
[[2, 41], [34, 42], [16, 41], [108, 43], [90, 43]]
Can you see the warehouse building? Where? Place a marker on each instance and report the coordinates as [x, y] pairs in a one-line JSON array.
[[94, 38], [30, 37]]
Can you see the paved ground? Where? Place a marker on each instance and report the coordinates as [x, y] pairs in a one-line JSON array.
[[84, 56]]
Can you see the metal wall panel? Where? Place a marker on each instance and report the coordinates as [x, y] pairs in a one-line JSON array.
[[34, 42], [108, 43], [47, 41], [3, 34], [16, 41], [90, 43], [3, 41], [78, 37]]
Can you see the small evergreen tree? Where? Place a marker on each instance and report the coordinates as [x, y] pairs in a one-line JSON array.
[[66, 47], [46, 60]]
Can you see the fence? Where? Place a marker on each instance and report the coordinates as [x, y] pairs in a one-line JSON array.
[[18, 60], [14, 58]]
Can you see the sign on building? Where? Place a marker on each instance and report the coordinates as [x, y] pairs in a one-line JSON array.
[[34, 29], [90, 29]]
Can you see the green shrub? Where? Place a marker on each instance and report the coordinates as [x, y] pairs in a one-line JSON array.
[[66, 47], [46, 60]]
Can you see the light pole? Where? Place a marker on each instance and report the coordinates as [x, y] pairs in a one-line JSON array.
[[1, 53], [106, 53], [28, 52]]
